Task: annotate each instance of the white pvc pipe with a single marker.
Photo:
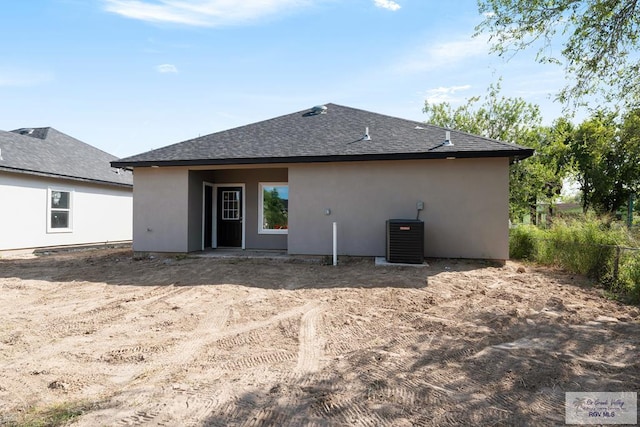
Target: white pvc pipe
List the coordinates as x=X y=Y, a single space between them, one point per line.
x=335 y=243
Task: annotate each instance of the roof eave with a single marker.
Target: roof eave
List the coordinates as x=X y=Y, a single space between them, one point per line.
x=68 y=177
x=511 y=154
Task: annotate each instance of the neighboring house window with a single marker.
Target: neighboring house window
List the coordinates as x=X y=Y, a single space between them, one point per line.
x=273 y=208
x=59 y=210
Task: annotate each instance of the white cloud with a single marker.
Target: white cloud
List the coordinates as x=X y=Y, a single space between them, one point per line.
x=166 y=68
x=387 y=4
x=202 y=13
x=439 y=55
x=444 y=94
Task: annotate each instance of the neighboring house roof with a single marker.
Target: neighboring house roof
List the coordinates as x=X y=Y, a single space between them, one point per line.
x=321 y=135
x=48 y=152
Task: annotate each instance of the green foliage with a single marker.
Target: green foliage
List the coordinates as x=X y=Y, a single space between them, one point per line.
x=275 y=212
x=537 y=179
x=629 y=282
x=599 y=40
x=605 y=152
x=588 y=246
x=523 y=242
x=496 y=117
x=585 y=247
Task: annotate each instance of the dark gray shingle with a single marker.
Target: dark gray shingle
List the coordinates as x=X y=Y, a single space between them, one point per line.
x=336 y=135
x=48 y=152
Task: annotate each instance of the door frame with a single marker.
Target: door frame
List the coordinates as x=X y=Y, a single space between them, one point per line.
x=214 y=207
x=206 y=184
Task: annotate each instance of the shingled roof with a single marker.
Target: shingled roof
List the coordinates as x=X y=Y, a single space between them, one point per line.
x=334 y=133
x=48 y=152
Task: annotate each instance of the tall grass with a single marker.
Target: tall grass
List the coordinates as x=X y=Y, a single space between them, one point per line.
x=629 y=276
x=587 y=246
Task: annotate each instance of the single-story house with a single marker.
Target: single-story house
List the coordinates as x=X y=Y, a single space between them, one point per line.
x=282 y=183
x=59 y=191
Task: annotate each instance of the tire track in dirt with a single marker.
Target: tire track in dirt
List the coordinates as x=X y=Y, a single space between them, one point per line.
x=352 y=412
x=229 y=407
x=323 y=379
x=239 y=340
x=170 y=369
x=50 y=292
x=225 y=412
x=206 y=332
x=311 y=344
x=199 y=403
x=266 y=358
x=259 y=324
x=84 y=323
x=89 y=320
x=348 y=338
x=209 y=333
x=189 y=406
x=132 y=354
x=138 y=418
x=266 y=417
x=155 y=299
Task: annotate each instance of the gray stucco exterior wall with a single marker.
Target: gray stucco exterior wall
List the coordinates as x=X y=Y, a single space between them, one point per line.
x=160 y=209
x=466 y=206
x=465 y=215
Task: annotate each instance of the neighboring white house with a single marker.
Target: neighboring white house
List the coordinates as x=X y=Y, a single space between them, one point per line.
x=58 y=191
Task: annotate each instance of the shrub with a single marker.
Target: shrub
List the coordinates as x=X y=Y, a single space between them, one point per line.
x=629 y=276
x=585 y=247
x=523 y=242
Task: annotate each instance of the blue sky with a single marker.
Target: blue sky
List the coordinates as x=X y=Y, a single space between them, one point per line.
x=128 y=76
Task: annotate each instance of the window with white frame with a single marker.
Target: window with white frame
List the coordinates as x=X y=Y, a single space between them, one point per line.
x=273 y=206
x=59 y=210
x=231 y=205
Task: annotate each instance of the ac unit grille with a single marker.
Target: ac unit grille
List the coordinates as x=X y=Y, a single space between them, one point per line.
x=405 y=241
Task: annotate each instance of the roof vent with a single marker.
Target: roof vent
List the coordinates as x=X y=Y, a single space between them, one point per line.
x=319 y=109
x=366 y=136
x=25 y=131
x=447 y=139
x=1 y=154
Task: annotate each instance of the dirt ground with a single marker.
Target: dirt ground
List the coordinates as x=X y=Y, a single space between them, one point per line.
x=175 y=341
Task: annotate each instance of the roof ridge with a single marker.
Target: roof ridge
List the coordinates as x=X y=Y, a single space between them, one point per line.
x=317 y=133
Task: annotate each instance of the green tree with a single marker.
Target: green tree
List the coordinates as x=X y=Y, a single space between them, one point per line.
x=606 y=152
x=495 y=116
x=275 y=212
x=537 y=179
x=599 y=40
